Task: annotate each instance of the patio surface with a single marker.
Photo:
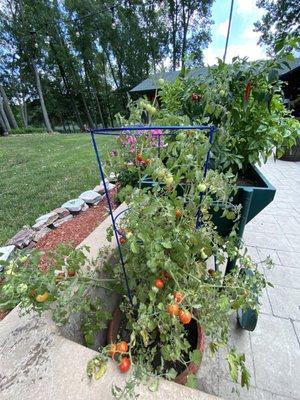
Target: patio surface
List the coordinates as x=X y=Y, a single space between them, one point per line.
x=273 y=349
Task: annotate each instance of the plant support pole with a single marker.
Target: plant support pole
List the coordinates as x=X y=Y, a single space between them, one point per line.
x=228 y=31
x=102 y=176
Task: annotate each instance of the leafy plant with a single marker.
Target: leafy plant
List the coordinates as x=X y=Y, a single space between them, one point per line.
x=65 y=289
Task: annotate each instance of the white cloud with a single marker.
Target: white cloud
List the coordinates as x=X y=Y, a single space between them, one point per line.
x=247 y=8
x=222 y=28
x=249 y=34
x=252 y=51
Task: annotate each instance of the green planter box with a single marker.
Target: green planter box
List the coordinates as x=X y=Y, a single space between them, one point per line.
x=263 y=194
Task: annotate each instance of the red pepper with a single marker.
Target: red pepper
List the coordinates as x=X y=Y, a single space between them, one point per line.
x=247 y=91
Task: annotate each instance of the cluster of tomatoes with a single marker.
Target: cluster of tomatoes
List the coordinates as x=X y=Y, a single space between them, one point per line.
x=174 y=309
x=140 y=160
x=119 y=349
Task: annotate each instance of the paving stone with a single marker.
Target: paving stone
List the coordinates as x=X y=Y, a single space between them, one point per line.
x=74 y=205
x=285 y=302
x=240 y=339
x=229 y=390
x=265 y=303
x=297 y=329
x=61 y=221
x=289 y=258
x=62 y=212
x=22 y=238
x=45 y=220
x=263 y=227
x=265 y=253
x=41 y=233
x=90 y=197
x=276 y=356
x=288 y=225
x=208 y=374
x=294 y=241
x=284 y=276
x=270 y=241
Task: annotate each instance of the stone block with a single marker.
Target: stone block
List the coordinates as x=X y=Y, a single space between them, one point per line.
x=45 y=220
x=41 y=233
x=90 y=197
x=61 y=212
x=22 y=238
x=5 y=253
x=61 y=221
x=74 y=205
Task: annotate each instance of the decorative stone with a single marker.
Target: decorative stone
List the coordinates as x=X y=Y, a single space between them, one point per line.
x=61 y=221
x=100 y=188
x=45 y=220
x=112 y=178
x=41 y=233
x=22 y=238
x=85 y=208
x=74 y=205
x=5 y=253
x=90 y=197
x=62 y=212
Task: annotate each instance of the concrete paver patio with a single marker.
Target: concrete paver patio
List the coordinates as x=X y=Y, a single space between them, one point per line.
x=273 y=349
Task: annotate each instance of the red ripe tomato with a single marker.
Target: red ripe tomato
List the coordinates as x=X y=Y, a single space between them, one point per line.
x=122 y=240
x=71 y=273
x=159 y=283
x=178 y=213
x=173 y=309
x=122 y=347
x=178 y=297
x=185 y=317
x=124 y=364
x=139 y=158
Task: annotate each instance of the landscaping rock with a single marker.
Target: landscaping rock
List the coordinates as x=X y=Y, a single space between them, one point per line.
x=74 y=205
x=90 y=197
x=45 y=220
x=62 y=212
x=100 y=188
x=5 y=253
x=112 y=178
x=22 y=238
x=61 y=221
x=41 y=233
x=85 y=208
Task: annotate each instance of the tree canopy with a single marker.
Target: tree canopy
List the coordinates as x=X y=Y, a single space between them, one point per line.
x=282 y=18
x=75 y=60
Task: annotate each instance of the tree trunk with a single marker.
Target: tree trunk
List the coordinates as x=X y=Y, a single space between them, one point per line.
x=8 y=109
x=3 y=116
x=41 y=97
x=2 y=124
x=24 y=112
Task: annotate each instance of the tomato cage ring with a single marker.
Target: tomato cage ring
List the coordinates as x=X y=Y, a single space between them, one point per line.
x=134 y=131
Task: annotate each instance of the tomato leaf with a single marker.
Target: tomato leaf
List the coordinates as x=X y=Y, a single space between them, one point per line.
x=191 y=381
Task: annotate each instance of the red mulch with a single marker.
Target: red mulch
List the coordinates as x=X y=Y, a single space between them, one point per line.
x=77 y=229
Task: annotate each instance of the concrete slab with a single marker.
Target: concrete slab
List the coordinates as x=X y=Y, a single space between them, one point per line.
x=289 y=258
x=285 y=302
x=276 y=356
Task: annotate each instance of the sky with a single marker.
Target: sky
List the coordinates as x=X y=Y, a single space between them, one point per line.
x=242 y=39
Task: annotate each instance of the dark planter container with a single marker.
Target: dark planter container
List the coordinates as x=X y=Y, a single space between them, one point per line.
x=192 y=368
x=262 y=194
x=258 y=196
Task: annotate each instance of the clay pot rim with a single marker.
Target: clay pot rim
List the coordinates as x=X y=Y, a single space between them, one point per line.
x=192 y=368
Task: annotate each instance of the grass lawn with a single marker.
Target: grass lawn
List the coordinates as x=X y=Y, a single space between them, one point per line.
x=40 y=172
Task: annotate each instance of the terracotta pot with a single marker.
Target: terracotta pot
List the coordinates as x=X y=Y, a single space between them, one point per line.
x=192 y=368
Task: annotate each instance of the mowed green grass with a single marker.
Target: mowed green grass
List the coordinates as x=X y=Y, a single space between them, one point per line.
x=40 y=172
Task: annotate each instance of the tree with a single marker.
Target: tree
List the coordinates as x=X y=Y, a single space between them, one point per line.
x=282 y=18
x=189 y=24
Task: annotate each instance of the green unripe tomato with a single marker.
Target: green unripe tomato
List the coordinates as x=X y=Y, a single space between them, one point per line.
x=161 y=81
x=201 y=187
x=169 y=180
x=203 y=254
x=222 y=92
x=230 y=215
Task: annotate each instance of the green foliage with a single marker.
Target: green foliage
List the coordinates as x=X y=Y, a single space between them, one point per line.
x=67 y=288
x=244 y=102
x=281 y=18
x=162 y=243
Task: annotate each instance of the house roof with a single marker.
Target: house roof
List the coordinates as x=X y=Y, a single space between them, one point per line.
x=151 y=83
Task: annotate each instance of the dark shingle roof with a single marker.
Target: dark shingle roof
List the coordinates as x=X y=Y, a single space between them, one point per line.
x=151 y=83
